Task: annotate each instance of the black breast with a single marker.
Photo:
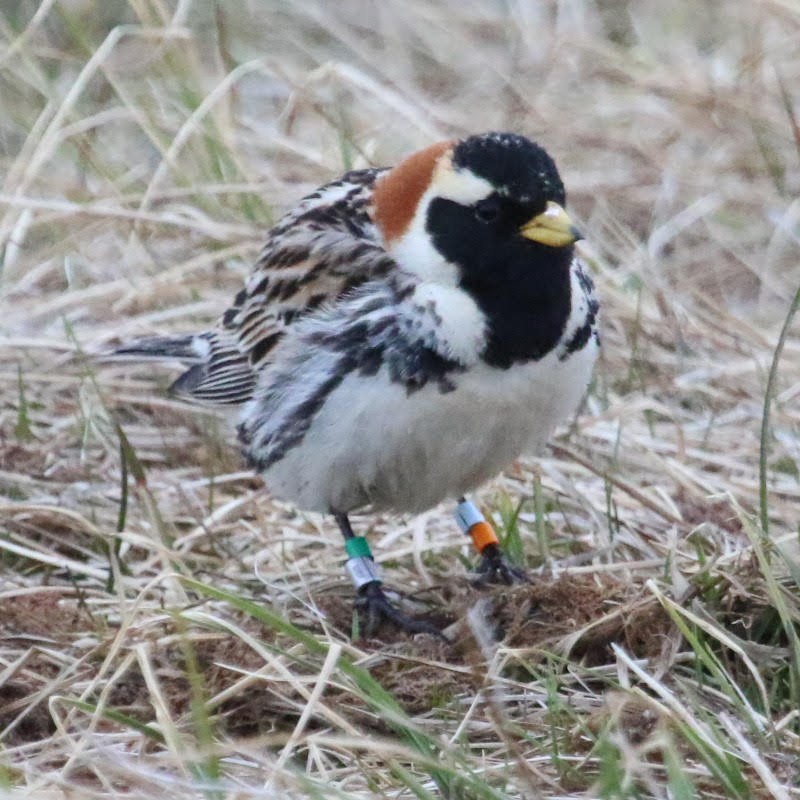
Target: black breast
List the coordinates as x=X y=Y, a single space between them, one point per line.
x=521 y=286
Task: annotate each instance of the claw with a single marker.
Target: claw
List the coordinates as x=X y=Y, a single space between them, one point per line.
x=378 y=608
x=494 y=568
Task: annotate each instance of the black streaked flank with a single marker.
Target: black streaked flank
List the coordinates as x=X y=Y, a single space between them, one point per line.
x=362 y=345
x=580 y=337
x=292 y=432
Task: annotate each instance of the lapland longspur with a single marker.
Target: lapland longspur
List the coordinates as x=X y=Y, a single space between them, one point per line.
x=405 y=335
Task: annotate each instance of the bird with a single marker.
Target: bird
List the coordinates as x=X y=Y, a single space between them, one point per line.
x=406 y=333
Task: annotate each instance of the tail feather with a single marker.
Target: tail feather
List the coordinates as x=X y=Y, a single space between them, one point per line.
x=190 y=349
x=203 y=383
x=219 y=373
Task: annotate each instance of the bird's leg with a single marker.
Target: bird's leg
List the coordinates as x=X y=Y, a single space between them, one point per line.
x=363 y=573
x=493 y=566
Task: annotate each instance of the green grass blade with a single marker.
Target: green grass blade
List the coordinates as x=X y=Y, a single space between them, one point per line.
x=768 y=393
x=453 y=781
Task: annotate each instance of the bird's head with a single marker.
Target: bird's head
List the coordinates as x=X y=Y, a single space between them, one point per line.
x=467 y=212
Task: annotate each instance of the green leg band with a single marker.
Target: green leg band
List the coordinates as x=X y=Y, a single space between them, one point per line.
x=360 y=565
x=357 y=547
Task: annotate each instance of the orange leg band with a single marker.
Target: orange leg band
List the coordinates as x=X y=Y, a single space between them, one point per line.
x=483 y=534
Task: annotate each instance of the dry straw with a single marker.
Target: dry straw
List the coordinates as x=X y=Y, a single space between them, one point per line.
x=167 y=628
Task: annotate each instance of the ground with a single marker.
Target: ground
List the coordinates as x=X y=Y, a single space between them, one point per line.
x=166 y=626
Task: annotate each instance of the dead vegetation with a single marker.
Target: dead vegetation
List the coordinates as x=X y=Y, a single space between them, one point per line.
x=166 y=627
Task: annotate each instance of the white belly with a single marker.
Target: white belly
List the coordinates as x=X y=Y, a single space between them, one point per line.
x=373 y=444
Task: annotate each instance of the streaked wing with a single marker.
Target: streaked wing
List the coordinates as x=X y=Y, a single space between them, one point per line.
x=325 y=247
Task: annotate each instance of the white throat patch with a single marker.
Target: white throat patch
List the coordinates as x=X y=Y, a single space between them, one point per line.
x=451 y=321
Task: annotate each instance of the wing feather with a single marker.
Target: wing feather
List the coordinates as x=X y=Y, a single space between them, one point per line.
x=324 y=248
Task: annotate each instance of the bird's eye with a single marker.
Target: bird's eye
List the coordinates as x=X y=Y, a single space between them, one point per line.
x=487 y=210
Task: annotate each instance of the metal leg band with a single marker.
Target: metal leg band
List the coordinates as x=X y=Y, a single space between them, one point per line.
x=362 y=570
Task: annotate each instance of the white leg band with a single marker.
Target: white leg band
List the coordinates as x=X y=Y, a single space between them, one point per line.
x=362 y=570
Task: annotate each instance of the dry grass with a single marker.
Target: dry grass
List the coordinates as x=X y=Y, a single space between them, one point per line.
x=167 y=628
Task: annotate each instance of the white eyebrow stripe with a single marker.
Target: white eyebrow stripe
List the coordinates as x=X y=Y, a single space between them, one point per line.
x=460 y=185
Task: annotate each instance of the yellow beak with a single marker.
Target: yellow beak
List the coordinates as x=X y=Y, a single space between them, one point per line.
x=552 y=227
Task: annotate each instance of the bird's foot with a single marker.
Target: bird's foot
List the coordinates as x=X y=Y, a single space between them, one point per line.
x=377 y=607
x=494 y=568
